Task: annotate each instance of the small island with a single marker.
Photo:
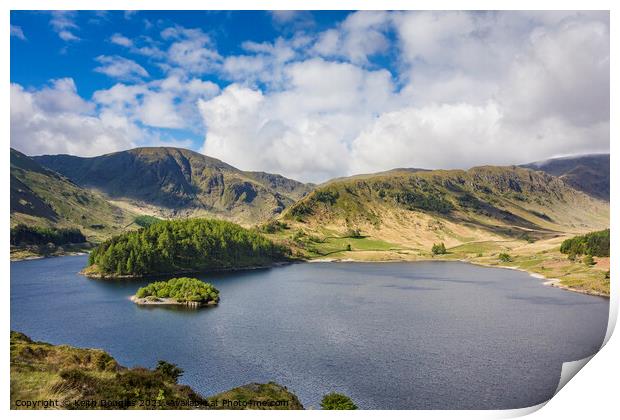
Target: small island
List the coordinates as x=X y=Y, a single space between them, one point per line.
x=183 y=291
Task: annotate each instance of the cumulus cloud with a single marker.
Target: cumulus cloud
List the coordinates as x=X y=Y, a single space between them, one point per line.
x=359 y=36
x=376 y=91
x=120 y=68
x=302 y=130
x=264 y=62
x=192 y=50
x=56 y=120
x=472 y=88
x=162 y=103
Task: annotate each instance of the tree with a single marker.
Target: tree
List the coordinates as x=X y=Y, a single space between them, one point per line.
x=169 y=370
x=439 y=249
x=503 y=257
x=336 y=401
x=588 y=260
x=348 y=247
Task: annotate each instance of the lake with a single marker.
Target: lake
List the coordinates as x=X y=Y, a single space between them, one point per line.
x=421 y=335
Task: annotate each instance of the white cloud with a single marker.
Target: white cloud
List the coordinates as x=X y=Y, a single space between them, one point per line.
x=359 y=36
x=192 y=50
x=158 y=110
x=63 y=23
x=463 y=88
x=303 y=130
x=120 y=68
x=54 y=121
x=163 y=103
x=144 y=46
x=17 y=31
x=264 y=63
x=121 y=40
x=474 y=88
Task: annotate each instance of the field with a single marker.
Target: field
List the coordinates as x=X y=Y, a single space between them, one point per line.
x=540 y=257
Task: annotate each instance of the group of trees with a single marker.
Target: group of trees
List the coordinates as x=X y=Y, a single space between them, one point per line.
x=34 y=235
x=439 y=249
x=177 y=246
x=594 y=244
x=183 y=289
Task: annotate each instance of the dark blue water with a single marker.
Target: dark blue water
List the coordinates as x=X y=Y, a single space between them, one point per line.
x=427 y=335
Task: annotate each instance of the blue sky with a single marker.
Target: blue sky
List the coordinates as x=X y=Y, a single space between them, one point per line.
x=313 y=95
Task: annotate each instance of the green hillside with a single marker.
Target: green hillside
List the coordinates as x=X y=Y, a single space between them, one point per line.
x=177 y=182
x=74 y=378
x=44 y=198
x=505 y=201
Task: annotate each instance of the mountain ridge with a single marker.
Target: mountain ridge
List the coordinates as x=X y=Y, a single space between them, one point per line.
x=422 y=207
x=181 y=183
x=589 y=173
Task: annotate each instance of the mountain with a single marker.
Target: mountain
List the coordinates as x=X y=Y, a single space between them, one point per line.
x=42 y=197
x=587 y=173
x=174 y=182
x=418 y=208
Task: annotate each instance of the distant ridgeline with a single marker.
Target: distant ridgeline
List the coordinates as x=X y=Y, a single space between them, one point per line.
x=34 y=235
x=593 y=243
x=183 y=246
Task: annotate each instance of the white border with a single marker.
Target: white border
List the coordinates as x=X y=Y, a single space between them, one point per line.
x=593 y=395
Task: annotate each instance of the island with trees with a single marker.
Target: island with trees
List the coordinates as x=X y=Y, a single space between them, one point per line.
x=181 y=247
x=178 y=291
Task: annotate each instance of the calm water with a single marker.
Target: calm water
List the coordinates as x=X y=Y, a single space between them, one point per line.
x=400 y=335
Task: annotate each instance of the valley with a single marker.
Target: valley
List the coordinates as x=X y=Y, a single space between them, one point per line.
x=396 y=215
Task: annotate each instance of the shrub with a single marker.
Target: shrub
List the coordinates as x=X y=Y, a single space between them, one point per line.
x=439 y=249
x=272 y=227
x=335 y=401
x=169 y=370
x=503 y=257
x=588 y=260
x=430 y=201
x=146 y=221
x=353 y=233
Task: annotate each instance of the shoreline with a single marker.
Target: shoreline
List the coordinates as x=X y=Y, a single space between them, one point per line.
x=40 y=257
x=169 y=302
x=99 y=276
x=551 y=282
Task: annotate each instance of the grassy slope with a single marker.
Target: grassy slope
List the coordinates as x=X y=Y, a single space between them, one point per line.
x=41 y=371
x=42 y=197
x=514 y=210
x=173 y=182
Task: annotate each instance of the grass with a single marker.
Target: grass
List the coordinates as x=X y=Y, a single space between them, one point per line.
x=41 y=371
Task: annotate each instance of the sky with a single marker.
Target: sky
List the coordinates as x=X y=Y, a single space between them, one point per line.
x=313 y=95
